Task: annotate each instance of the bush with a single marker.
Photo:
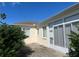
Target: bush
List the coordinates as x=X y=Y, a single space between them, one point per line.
x=10 y=40
x=74 y=44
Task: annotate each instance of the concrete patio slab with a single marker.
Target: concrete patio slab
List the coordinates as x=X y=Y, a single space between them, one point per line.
x=41 y=51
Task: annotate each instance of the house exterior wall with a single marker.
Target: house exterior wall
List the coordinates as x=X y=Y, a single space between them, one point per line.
x=67 y=22
x=57 y=32
x=64 y=25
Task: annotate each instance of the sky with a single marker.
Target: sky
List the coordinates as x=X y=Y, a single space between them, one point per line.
x=31 y=11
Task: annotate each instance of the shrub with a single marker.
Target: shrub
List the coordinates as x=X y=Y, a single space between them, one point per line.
x=10 y=40
x=74 y=44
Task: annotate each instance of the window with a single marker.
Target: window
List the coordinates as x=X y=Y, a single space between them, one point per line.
x=44 y=32
x=59 y=36
x=56 y=42
x=68 y=28
x=67 y=32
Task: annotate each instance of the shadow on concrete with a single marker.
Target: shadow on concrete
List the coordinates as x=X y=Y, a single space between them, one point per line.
x=25 y=52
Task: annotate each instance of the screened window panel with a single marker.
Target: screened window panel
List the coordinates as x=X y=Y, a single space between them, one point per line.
x=67 y=32
x=61 y=36
x=56 y=41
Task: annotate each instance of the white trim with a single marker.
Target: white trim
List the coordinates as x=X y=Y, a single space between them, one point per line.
x=64 y=35
x=57 y=25
x=53 y=35
x=48 y=37
x=61 y=49
x=71 y=21
x=42 y=32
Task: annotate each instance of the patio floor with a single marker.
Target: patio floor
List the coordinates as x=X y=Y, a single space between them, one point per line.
x=41 y=51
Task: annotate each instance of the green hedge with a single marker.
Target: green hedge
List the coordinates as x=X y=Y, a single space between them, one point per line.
x=10 y=40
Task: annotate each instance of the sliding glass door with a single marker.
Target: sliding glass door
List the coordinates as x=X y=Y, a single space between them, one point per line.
x=59 y=36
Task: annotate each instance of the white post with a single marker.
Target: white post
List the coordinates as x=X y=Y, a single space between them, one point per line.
x=21 y=28
x=64 y=35
x=48 y=37
x=53 y=34
x=41 y=32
